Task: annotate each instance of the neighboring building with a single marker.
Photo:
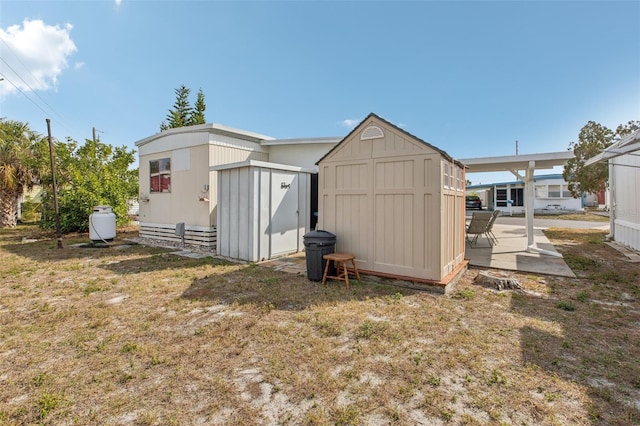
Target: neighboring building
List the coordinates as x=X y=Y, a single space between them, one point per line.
x=178 y=185
x=624 y=187
x=396 y=202
x=29 y=205
x=551 y=193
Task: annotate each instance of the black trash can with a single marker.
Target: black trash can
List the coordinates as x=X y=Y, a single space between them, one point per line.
x=317 y=244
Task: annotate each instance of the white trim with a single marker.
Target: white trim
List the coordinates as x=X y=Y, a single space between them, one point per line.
x=173 y=226
x=625 y=145
x=302 y=141
x=627 y=224
x=209 y=128
x=263 y=164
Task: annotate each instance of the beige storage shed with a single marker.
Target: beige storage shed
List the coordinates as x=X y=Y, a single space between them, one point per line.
x=396 y=202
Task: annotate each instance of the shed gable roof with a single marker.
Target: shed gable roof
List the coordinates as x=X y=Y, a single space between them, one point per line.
x=370 y=130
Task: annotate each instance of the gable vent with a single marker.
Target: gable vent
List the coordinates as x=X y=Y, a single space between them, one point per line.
x=372 y=132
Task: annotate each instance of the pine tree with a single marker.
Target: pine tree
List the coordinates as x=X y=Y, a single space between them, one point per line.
x=197 y=117
x=182 y=114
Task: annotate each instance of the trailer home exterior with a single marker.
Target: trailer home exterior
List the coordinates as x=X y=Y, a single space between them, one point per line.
x=179 y=171
x=624 y=186
x=176 y=185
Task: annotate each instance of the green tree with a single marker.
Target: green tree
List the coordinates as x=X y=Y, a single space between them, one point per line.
x=90 y=175
x=592 y=139
x=18 y=170
x=182 y=113
x=198 y=114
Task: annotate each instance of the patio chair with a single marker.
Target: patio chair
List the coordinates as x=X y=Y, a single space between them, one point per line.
x=489 y=234
x=481 y=224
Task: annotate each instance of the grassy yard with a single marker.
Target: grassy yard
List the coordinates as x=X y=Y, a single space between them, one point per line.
x=136 y=335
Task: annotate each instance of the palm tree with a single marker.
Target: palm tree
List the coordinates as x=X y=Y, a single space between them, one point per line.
x=16 y=171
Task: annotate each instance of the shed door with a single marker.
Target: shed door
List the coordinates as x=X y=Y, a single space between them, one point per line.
x=283 y=227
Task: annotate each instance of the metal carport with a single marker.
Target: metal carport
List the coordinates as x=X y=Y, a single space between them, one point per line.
x=515 y=164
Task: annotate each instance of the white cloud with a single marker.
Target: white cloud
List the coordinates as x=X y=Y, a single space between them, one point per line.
x=349 y=123
x=34 y=55
x=118 y=3
x=78 y=65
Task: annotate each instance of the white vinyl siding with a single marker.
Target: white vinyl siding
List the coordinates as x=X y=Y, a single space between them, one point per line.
x=625 y=190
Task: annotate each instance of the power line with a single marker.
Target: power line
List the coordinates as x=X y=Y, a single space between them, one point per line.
x=5 y=78
x=21 y=63
x=25 y=95
x=31 y=89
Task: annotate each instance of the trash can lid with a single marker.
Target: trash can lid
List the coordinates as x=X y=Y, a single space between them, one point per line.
x=320 y=235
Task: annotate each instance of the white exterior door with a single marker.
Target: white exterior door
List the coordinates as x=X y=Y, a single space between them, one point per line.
x=284 y=210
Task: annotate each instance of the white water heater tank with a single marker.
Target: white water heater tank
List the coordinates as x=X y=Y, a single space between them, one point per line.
x=102 y=224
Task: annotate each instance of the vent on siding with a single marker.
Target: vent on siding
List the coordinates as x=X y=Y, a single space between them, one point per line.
x=372 y=132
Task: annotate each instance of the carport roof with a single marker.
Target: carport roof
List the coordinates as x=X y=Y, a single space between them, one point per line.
x=625 y=145
x=546 y=160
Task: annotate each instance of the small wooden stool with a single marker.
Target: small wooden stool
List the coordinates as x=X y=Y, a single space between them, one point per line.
x=340 y=258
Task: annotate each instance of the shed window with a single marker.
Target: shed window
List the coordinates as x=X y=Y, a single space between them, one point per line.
x=160 y=175
x=448 y=180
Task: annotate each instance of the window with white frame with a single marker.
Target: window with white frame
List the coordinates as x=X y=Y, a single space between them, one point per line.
x=553 y=191
x=446 y=175
x=160 y=175
x=541 y=191
x=459 y=179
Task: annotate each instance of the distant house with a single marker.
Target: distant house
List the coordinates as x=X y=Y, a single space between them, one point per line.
x=624 y=189
x=179 y=180
x=551 y=194
x=30 y=204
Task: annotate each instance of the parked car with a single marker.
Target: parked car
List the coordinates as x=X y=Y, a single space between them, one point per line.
x=473 y=202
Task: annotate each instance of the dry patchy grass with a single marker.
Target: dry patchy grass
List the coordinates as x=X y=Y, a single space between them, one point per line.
x=141 y=336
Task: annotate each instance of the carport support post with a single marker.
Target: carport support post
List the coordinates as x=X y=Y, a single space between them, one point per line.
x=529 y=212
x=528 y=206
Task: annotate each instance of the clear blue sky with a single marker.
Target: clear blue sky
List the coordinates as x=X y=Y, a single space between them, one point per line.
x=468 y=77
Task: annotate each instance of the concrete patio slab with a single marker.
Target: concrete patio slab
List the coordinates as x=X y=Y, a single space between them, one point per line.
x=511 y=253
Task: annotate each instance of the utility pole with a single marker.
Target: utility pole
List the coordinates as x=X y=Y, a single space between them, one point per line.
x=516 y=146
x=55 y=187
x=95 y=138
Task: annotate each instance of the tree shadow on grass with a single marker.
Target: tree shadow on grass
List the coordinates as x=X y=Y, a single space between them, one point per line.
x=120 y=256
x=598 y=346
x=261 y=286
x=228 y=283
